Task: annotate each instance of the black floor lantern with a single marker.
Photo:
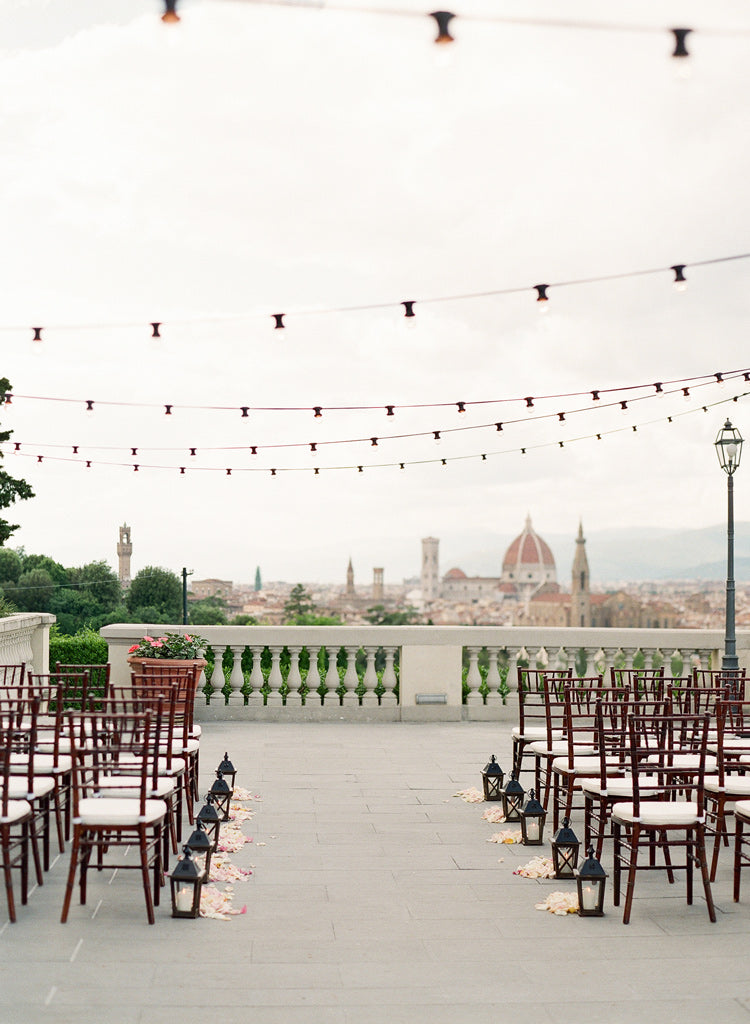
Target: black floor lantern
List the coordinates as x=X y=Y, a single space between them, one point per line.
x=228 y=770
x=201 y=847
x=210 y=820
x=513 y=795
x=533 y=817
x=565 y=847
x=492 y=780
x=222 y=795
x=591 y=879
x=186 y=882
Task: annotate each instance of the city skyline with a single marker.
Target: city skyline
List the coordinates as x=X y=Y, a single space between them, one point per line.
x=146 y=182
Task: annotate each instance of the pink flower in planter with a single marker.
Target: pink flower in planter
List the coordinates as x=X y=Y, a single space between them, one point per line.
x=133 y=648
x=148 y=638
x=156 y=643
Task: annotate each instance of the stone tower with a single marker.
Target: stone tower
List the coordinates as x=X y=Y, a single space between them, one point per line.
x=378 y=590
x=580 y=603
x=350 y=580
x=124 y=551
x=430 y=570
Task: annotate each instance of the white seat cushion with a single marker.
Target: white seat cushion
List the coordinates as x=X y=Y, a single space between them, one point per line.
x=560 y=747
x=127 y=787
x=534 y=732
x=660 y=812
x=584 y=765
x=17 y=811
x=734 y=785
x=113 y=811
x=44 y=764
x=616 y=787
x=192 y=747
x=742 y=810
x=687 y=761
x=18 y=787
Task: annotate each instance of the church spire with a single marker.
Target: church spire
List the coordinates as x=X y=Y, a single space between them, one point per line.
x=580 y=605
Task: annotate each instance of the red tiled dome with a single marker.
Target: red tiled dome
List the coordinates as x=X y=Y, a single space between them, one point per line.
x=455 y=574
x=528 y=549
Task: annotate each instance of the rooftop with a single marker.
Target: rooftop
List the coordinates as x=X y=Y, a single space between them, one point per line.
x=376 y=897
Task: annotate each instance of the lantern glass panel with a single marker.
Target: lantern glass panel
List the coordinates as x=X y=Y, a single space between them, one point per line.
x=533 y=817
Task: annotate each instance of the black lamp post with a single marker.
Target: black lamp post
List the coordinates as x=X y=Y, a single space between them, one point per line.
x=492 y=780
x=728 y=446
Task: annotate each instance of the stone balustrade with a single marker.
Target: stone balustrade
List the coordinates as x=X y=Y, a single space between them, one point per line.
x=406 y=673
x=24 y=639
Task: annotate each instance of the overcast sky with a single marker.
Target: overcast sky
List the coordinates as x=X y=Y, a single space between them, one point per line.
x=265 y=158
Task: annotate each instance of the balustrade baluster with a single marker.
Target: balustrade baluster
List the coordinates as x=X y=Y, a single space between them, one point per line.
x=218 y=682
x=370 y=681
x=388 y=698
x=236 y=679
x=630 y=654
x=275 y=679
x=312 y=681
x=294 y=679
x=351 y=680
x=332 y=677
x=512 y=679
x=256 y=675
x=493 y=677
x=474 y=678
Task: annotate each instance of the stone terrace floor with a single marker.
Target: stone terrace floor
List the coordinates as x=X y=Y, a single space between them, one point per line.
x=376 y=898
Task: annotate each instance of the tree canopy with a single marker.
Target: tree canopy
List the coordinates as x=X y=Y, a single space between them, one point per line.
x=155 y=591
x=11 y=488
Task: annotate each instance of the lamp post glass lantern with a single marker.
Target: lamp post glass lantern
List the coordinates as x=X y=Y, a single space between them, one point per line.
x=565 y=847
x=513 y=795
x=185 y=884
x=492 y=780
x=532 y=822
x=728 y=446
x=590 y=879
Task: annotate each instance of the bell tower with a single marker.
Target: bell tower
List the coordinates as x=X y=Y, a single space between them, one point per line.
x=124 y=551
x=580 y=603
x=430 y=570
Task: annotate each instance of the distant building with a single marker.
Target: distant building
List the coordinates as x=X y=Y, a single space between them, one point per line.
x=350 y=580
x=201 y=589
x=378 y=587
x=124 y=551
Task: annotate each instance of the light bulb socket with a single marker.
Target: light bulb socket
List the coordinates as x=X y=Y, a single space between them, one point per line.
x=680 y=41
x=443 y=20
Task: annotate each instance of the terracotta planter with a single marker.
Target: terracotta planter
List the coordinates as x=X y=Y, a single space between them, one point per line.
x=197 y=663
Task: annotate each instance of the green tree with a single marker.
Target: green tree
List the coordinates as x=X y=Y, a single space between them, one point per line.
x=11 y=489
x=11 y=566
x=155 y=590
x=33 y=592
x=244 y=620
x=298 y=604
x=210 y=611
x=378 y=616
x=58 y=573
x=258 y=584
x=95 y=592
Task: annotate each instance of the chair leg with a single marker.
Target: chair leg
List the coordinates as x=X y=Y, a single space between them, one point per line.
x=721 y=831
x=71 y=874
x=617 y=864
x=737 y=860
x=145 y=874
x=635 y=838
x=5 y=841
x=701 y=844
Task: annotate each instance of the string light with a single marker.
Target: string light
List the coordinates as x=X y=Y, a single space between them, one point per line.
x=167 y=410
x=595 y=396
x=374 y=442
x=245 y=409
x=133 y=451
x=313 y=448
x=436 y=436
x=182 y=470
x=318 y=411
x=443 y=20
x=541 y=297
x=529 y=404
x=624 y=406
x=659 y=389
x=402 y=465
x=279 y=324
x=389 y=410
x=680 y=41
x=680 y=281
x=155 y=325
x=193 y=451
x=75 y=449
x=89 y=405
x=561 y=417
x=719 y=379
x=461 y=406
x=498 y=426
x=170 y=12
x=409 y=314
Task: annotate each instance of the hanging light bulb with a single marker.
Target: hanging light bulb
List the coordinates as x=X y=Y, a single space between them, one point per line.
x=278 y=319
x=409 y=315
x=89 y=405
x=461 y=406
x=436 y=436
x=624 y=407
x=443 y=20
x=680 y=281
x=542 y=299
x=313 y=448
x=720 y=379
x=529 y=405
x=155 y=325
x=170 y=15
x=318 y=411
x=686 y=394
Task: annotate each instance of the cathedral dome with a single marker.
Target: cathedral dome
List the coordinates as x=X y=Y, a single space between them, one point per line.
x=528 y=560
x=455 y=574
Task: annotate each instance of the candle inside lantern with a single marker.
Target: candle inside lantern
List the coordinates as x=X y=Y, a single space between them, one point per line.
x=589 y=895
x=184 y=900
